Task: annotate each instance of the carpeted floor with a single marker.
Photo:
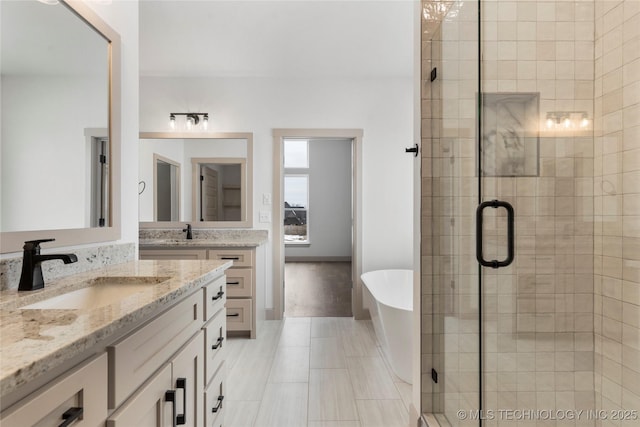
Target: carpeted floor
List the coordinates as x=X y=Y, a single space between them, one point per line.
x=317 y=289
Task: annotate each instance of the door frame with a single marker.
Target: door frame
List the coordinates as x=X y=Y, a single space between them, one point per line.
x=278 y=212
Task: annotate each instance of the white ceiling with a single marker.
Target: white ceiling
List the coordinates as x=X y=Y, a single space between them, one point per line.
x=291 y=38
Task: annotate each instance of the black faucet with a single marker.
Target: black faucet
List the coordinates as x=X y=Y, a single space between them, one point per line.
x=31 y=277
x=188 y=230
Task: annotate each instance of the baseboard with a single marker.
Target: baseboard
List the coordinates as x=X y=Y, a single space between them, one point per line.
x=317 y=259
x=270 y=314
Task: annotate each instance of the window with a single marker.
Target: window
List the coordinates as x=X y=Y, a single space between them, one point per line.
x=296 y=207
x=296 y=153
x=296 y=191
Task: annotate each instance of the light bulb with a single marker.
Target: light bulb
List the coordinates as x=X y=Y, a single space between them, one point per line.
x=567 y=123
x=189 y=123
x=172 y=121
x=584 y=122
x=205 y=122
x=550 y=122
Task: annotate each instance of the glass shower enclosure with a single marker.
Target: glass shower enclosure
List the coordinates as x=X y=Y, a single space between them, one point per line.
x=509 y=222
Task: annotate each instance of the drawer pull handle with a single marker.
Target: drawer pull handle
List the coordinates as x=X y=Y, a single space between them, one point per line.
x=232 y=283
x=217 y=296
x=219 y=405
x=182 y=418
x=71 y=415
x=233 y=315
x=218 y=343
x=234 y=258
x=170 y=396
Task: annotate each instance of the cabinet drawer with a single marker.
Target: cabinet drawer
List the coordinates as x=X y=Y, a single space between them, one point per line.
x=214 y=399
x=214 y=297
x=240 y=257
x=133 y=359
x=239 y=312
x=215 y=335
x=239 y=282
x=85 y=387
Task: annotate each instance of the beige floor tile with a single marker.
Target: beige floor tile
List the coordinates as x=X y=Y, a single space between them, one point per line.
x=382 y=413
x=284 y=405
x=331 y=395
x=248 y=378
x=359 y=343
x=290 y=365
x=370 y=378
x=327 y=353
x=240 y=413
x=323 y=327
x=296 y=332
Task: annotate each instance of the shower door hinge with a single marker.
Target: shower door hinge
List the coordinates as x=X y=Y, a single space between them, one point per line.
x=434 y=73
x=434 y=375
x=103 y=159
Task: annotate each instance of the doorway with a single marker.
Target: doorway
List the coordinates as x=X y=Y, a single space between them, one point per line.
x=308 y=262
x=318 y=181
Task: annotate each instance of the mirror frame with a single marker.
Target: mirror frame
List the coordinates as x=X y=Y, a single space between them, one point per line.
x=13 y=241
x=248 y=221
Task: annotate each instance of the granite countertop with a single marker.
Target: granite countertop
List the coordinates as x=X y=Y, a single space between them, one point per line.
x=200 y=243
x=202 y=238
x=32 y=341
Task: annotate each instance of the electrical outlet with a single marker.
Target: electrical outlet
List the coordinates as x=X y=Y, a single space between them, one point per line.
x=265 y=216
x=266 y=198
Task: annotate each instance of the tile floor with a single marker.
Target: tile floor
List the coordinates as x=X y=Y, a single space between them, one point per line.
x=313 y=372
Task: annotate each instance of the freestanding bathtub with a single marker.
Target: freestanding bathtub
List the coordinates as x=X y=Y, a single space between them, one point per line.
x=392 y=316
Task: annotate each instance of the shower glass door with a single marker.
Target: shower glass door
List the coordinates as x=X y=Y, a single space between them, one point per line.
x=536 y=154
x=510 y=118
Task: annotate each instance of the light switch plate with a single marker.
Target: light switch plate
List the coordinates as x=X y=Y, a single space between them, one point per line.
x=265 y=216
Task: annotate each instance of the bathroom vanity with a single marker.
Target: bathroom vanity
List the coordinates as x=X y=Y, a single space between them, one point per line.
x=140 y=343
x=243 y=280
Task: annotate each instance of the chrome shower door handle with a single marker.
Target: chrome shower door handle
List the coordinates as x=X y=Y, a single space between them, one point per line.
x=510 y=234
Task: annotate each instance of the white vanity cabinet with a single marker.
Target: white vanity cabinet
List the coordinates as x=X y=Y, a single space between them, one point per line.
x=240 y=280
x=83 y=389
x=160 y=371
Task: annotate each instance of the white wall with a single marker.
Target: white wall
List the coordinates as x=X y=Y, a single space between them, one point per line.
x=330 y=180
x=382 y=107
x=43 y=136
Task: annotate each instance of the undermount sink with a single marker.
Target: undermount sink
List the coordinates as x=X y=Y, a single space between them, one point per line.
x=100 y=292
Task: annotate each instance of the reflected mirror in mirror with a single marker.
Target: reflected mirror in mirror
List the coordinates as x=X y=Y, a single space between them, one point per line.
x=218 y=185
x=55 y=116
x=210 y=185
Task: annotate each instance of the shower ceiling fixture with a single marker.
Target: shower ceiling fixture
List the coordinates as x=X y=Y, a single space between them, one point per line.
x=192 y=120
x=567 y=120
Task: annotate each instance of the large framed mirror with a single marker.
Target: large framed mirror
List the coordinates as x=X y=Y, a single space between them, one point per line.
x=60 y=90
x=212 y=188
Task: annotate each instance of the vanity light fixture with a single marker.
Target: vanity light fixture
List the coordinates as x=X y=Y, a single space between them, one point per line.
x=567 y=120
x=192 y=121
